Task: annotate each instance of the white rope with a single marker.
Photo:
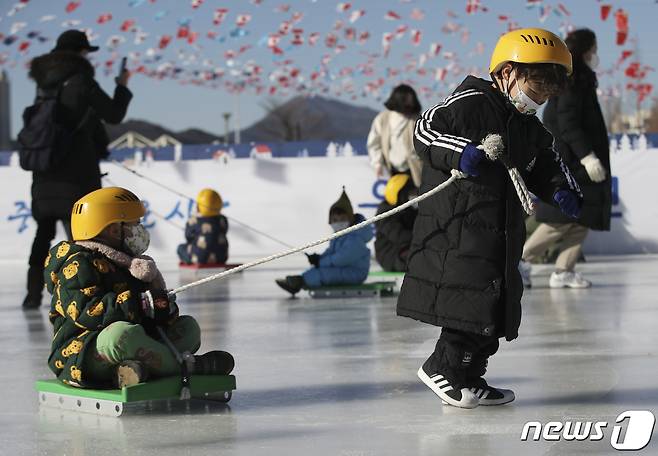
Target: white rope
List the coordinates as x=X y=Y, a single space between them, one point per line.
x=522 y=191
x=454 y=176
x=493 y=145
x=183 y=195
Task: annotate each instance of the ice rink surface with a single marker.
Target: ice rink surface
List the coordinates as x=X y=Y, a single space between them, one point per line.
x=338 y=377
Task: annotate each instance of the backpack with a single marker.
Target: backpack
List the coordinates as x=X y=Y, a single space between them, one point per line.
x=44 y=140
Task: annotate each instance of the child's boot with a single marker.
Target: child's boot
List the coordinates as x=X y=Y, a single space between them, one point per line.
x=214 y=362
x=292 y=284
x=130 y=373
x=444 y=373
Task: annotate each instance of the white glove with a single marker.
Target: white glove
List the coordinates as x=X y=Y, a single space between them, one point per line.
x=594 y=168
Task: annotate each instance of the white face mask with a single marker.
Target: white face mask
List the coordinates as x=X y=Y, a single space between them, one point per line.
x=593 y=62
x=136 y=239
x=522 y=102
x=338 y=226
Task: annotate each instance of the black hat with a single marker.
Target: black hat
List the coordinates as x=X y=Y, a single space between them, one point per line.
x=75 y=41
x=344 y=205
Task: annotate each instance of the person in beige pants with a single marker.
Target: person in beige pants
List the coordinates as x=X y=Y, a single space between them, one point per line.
x=571 y=237
x=575 y=120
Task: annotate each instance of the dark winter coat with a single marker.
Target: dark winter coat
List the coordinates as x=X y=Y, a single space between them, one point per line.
x=85 y=105
x=576 y=121
x=206 y=240
x=345 y=262
x=467 y=240
x=393 y=238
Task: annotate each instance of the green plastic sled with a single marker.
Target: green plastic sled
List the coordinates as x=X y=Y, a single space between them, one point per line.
x=111 y=402
x=352 y=291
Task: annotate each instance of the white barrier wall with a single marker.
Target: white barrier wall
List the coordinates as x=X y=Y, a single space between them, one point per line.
x=289 y=198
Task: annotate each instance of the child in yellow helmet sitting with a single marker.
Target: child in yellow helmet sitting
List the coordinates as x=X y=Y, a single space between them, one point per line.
x=108 y=300
x=393 y=234
x=205 y=232
x=463 y=262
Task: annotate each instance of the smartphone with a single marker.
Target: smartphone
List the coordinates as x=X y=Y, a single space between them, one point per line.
x=123 y=65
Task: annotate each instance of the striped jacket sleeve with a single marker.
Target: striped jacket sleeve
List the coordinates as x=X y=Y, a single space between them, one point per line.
x=435 y=140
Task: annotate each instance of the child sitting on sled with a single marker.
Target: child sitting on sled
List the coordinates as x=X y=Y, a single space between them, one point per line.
x=205 y=232
x=108 y=300
x=345 y=262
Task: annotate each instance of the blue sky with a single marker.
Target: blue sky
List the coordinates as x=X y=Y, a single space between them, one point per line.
x=179 y=106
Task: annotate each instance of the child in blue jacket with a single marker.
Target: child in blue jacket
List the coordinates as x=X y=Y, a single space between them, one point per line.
x=205 y=232
x=345 y=262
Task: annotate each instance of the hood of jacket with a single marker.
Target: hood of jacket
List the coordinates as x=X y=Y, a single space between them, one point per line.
x=366 y=233
x=49 y=70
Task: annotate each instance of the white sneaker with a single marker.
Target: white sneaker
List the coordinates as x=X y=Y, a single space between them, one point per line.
x=567 y=279
x=525 y=268
x=461 y=397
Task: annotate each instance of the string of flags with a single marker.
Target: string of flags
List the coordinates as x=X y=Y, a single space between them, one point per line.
x=221 y=47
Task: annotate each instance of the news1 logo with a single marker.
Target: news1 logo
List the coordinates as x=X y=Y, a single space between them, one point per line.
x=632 y=431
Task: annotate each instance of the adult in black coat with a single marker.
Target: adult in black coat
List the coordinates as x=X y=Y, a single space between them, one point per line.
x=83 y=106
x=393 y=234
x=581 y=137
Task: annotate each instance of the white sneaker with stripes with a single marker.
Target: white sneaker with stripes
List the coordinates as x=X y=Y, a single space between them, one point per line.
x=463 y=397
x=488 y=395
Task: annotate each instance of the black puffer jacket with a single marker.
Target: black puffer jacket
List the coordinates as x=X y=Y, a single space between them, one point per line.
x=576 y=121
x=467 y=240
x=85 y=105
x=393 y=238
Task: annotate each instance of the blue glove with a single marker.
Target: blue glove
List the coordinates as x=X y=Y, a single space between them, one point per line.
x=470 y=160
x=569 y=202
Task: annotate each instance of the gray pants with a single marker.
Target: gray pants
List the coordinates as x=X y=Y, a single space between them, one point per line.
x=571 y=237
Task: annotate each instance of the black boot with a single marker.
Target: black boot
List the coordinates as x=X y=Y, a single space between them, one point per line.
x=34 y=288
x=214 y=362
x=292 y=284
x=31 y=302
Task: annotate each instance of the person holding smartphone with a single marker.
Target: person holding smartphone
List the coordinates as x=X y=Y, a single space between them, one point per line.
x=83 y=107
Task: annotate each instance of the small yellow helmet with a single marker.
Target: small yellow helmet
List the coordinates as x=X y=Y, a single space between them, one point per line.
x=96 y=210
x=530 y=45
x=393 y=187
x=209 y=203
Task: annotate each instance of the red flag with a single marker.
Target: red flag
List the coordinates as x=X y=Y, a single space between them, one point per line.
x=605 y=11
x=624 y=55
x=392 y=16
x=218 y=15
x=416 y=36
x=621 y=24
x=164 y=41
x=72 y=6
x=242 y=20
x=127 y=25
x=342 y=7
x=104 y=18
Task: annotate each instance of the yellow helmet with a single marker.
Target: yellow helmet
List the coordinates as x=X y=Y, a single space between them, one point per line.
x=393 y=187
x=209 y=203
x=530 y=45
x=96 y=210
